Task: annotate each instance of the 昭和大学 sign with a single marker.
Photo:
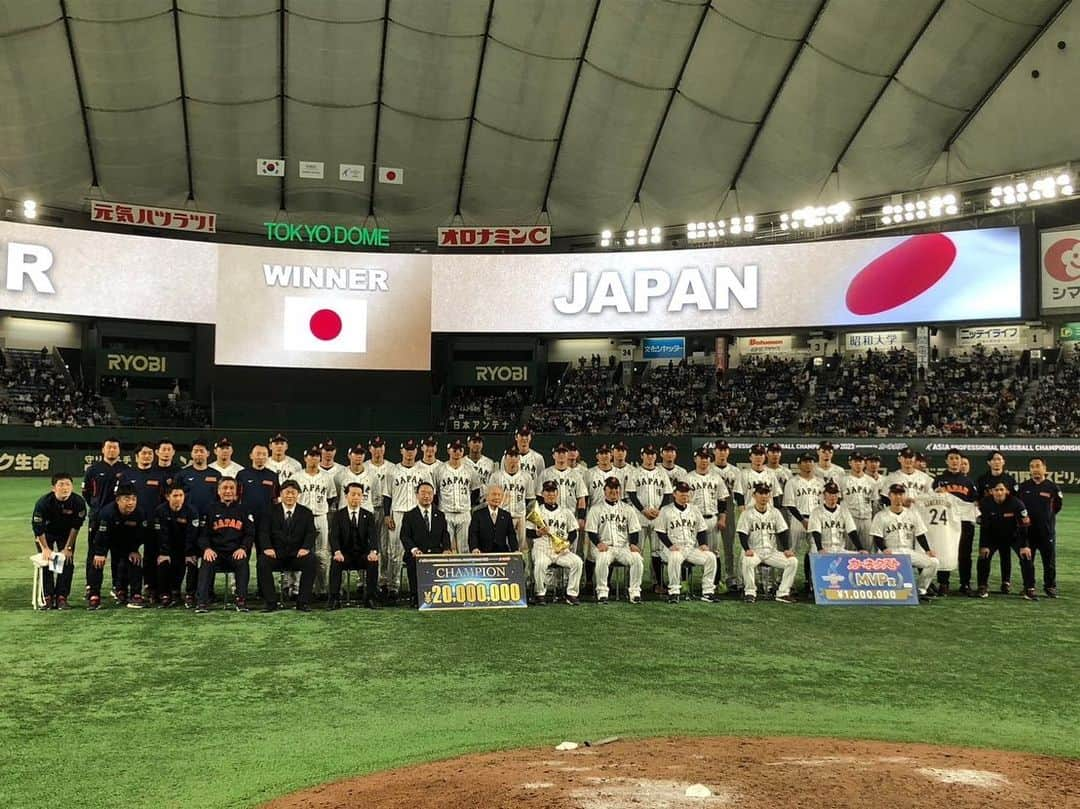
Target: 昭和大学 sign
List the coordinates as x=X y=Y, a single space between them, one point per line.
x=327 y=234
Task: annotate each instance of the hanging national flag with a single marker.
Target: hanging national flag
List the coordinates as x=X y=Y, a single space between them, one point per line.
x=325 y=324
x=270 y=167
x=391 y=175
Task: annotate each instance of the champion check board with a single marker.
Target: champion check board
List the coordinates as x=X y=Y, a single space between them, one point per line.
x=471 y=581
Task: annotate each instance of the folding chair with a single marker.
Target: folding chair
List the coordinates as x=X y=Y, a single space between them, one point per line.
x=619 y=584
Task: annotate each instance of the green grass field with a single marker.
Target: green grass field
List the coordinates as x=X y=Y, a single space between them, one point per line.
x=170 y=709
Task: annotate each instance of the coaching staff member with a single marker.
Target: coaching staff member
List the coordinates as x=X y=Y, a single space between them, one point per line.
x=423 y=530
x=224 y=544
x=492 y=529
x=57 y=518
x=1003 y=527
x=1042 y=497
x=354 y=545
x=287 y=543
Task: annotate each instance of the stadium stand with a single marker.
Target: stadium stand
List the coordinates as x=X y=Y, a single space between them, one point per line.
x=1053 y=403
x=862 y=395
x=38 y=390
x=667 y=400
x=761 y=396
x=578 y=402
x=969 y=395
x=484 y=409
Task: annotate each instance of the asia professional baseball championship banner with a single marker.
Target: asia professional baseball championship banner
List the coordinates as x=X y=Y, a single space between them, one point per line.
x=852 y=579
x=1059 y=269
x=470 y=581
x=930 y=277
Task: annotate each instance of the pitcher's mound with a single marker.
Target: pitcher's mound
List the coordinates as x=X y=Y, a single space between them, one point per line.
x=766 y=773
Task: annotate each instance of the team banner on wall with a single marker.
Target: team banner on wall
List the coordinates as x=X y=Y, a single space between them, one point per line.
x=987 y=336
x=1060 y=269
x=930 y=277
x=663 y=348
x=470 y=581
x=123 y=213
x=856 y=579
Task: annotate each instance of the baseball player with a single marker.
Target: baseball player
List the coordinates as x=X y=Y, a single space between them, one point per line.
x=649 y=489
x=900 y=530
x=56 y=521
x=530 y=461
x=318 y=492
x=279 y=461
x=165 y=455
x=801 y=496
x=223 y=462
x=121 y=532
x=199 y=480
x=519 y=491
x=773 y=453
x=358 y=472
x=668 y=455
x=873 y=470
x=576 y=461
x=481 y=464
x=328 y=458
x=613 y=529
x=683 y=538
x=429 y=456
x=710 y=494
x=603 y=470
x=915 y=481
x=955 y=483
x=860 y=494
x=922 y=462
x=985 y=483
x=573 y=493
x=831 y=526
x=764 y=537
x=1003 y=528
x=825 y=468
x=382 y=471
x=399 y=497
x=176 y=524
x=747 y=479
x=1043 y=500
x=150 y=484
x=563 y=522
x=458 y=491
x=728 y=473
x=620 y=467
x=98 y=489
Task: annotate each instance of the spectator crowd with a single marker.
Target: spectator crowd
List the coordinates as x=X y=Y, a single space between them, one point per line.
x=667 y=401
x=862 y=395
x=969 y=395
x=1054 y=411
x=580 y=402
x=761 y=396
x=37 y=392
x=484 y=409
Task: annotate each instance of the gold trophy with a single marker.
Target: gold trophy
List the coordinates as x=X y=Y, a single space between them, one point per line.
x=536 y=518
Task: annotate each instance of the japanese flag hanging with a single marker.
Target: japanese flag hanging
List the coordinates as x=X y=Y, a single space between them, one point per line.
x=394 y=176
x=325 y=324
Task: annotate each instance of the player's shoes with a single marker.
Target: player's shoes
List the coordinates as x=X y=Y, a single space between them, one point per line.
x=1051 y=592
x=601 y=599
x=299 y=608
x=926 y=598
x=572 y=601
x=202 y=609
x=672 y=599
x=62 y=603
x=712 y=598
x=538 y=601
x=635 y=600
x=93 y=603
x=965 y=590
x=750 y=598
x=136 y=602
x=984 y=592
x=1006 y=588
x=1029 y=594
x=943 y=590
x=659 y=590
x=788 y=599
x=334 y=603
x=189 y=602
x=392 y=596
x=240 y=605
x=165 y=601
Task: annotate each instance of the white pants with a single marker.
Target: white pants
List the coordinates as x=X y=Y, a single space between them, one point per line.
x=624 y=556
x=862 y=528
x=715 y=539
x=730 y=544
x=925 y=564
x=543 y=558
x=648 y=534
x=772 y=558
x=322 y=553
x=800 y=537
x=457 y=522
x=676 y=555
x=394 y=553
x=382 y=535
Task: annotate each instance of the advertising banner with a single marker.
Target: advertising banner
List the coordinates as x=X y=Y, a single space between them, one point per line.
x=930 y=277
x=496 y=372
x=778 y=344
x=878 y=340
x=470 y=582
x=506 y=236
x=122 y=213
x=1059 y=269
x=663 y=348
x=988 y=336
x=144 y=363
x=856 y=579
x=1069 y=333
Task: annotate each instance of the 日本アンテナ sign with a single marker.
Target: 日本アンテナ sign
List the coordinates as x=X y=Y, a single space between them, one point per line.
x=327 y=234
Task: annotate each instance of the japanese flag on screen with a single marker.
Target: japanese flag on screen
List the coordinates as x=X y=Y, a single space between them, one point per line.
x=325 y=324
x=394 y=176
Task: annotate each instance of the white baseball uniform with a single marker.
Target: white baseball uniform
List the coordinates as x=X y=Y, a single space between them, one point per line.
x=675 y=473
x=682 y=525
x=804 y=494
x=613 y=523
x=860 y=496
x=483 y=467
x=760 y=530
x=284 y=468
x=898 y=532
x=561 y=521
x=748 y=478
x=345 y=476
x=229 y=470
x=571 y=486
x=650 y=487
x=942 y=514
x=729 y=473
x=380 y=475
x=597 y=476
x=834 y=525
x=532 y=464
x=454 y=487
x=706 y=492
x=916 y=484
x=833 y=472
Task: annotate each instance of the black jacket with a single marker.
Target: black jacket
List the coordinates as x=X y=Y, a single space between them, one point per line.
x=1003 y=523
x=492 y=537
x=414 y=534
x=357 y=542
x=118 y=533
x=177 y=529
x=287 y=542
x=227 y=528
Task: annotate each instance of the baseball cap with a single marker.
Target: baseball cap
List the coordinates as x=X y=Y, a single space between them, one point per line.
x=703 y=453
x=774 y=447
x=359 y=449
x=762 y=488
x=409 y=444
x=550 y=486
x=826 y=445
x=669 y=447
x=476 y=438
x=721 y=444
x=290 y=484
x=125 y=489
x=429 y=441
x=856 y=456
x=807 y=456
x=512 y=451
x=278 y=438
x=221 y=443
x=570 y=445
x=560 y=447
x=921 y=457
x=832 y=488
x=612 y=483
x=377 y=441
x=682 y=486
x=313 y=452
x=874 y=457
x=906 y=452
x=897 y=488
x=648 y=449
x=622 y=445
x=524 y=429
x=603 y=449
x=757 y=449
x=328 y=445
x=457 y=443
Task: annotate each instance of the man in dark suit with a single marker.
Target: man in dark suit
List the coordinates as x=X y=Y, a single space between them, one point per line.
x=288 y=543
x=423 y=530
x=492 y=529
x=354 y=545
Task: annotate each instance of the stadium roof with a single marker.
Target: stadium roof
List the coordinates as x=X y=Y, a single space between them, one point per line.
x=501 y=110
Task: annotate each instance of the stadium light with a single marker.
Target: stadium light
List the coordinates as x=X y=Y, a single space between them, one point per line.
x=605 y=238
x=813 y=216
x=920 y=209
x=1033 y=189
x=29 y=207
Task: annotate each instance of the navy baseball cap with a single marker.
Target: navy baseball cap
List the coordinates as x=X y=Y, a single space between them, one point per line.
x=682 y=486
x=807 y=456
x=561 y=447
x=906 y=452
x=703 y=453
x=429 y=441
x=278 y=438
x=622 y=445
x=648 y=449
x=774 y=447
x=874 y=457
x=826 y=445
x=313 y=452
x=721 y=444
x=832 y=488
x=512 y=451
x=221 y=443
x=456 y=444
x=359 y=449
x=125 y=490
x=897 y=488
x=524 y=429
x=669 y=447
x=409 y=444
x=328 y=445
x=550 y=486
x=476 y=438
x=757 y=449
x=762 y=488
x=856 y=456
x=603 y=449
x=377 y=441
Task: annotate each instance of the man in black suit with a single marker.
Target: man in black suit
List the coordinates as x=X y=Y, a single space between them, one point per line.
x=354 y=545
x=288 y=543
x=492 y=529
x=423 y=530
